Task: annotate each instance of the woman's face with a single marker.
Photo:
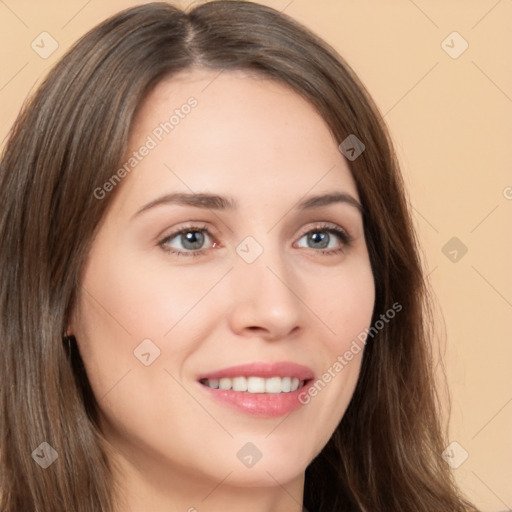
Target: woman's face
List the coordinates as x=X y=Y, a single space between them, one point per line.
x=225 y=246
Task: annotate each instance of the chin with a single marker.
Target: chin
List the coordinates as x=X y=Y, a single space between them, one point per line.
x=272 y=474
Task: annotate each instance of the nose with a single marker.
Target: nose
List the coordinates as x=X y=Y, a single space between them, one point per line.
x=264 y=303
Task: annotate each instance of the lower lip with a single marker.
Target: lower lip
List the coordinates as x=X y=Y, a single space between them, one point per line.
x=264 y=405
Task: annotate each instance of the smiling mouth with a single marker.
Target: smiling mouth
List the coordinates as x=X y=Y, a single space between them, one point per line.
x=273 y=385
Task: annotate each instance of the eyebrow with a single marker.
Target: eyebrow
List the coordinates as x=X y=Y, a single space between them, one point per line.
x=199 y=200
x=327 y=199
x=217 y=202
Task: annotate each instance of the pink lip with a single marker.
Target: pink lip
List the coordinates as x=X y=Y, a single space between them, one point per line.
x=261 y=369
x=265 y=405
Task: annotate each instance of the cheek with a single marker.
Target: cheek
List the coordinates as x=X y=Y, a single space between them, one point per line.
x=349 y=313
x=344 y=302
x=124 y=303
x=131 y=298
x=345 y=305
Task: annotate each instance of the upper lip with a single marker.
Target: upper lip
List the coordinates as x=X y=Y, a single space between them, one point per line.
x=262 y=369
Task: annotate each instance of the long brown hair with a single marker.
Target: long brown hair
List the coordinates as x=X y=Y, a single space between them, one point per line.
x=385 y=455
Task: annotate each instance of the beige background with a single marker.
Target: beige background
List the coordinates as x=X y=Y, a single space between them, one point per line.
x=451 y=119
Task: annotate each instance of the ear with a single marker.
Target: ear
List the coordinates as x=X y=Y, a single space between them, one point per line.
x=69 y=330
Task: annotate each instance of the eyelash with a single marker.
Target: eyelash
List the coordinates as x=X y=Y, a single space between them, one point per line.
x=343 y=235
x=186 y=229
x=346 y=239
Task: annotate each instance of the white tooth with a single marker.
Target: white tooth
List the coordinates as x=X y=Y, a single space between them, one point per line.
x=213 y=383
x=273 y=385
x=256 y=385
x=239 y=384
x=225 y=383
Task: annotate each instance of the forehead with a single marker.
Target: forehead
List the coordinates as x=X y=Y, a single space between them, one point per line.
x=246 y=135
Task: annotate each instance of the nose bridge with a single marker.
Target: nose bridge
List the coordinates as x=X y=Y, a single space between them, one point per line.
x=264 y=298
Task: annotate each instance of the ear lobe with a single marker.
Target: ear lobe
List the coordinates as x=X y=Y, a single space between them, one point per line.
x=70 y=328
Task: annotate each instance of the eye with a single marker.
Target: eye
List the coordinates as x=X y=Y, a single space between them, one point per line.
x=188 y=241
x=327 y=239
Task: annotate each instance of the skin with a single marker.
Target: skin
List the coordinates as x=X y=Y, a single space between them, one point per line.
x=262 y=145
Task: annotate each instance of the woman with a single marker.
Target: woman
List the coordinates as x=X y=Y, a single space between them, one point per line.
x=211 y=292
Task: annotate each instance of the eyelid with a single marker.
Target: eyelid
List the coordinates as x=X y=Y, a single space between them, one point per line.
x=201 y=227
x=346 y=239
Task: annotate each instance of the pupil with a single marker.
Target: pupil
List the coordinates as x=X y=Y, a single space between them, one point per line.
x=319 y=240
x=193 y=240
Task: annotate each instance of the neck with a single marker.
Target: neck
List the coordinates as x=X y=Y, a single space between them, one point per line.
x=163 y=487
